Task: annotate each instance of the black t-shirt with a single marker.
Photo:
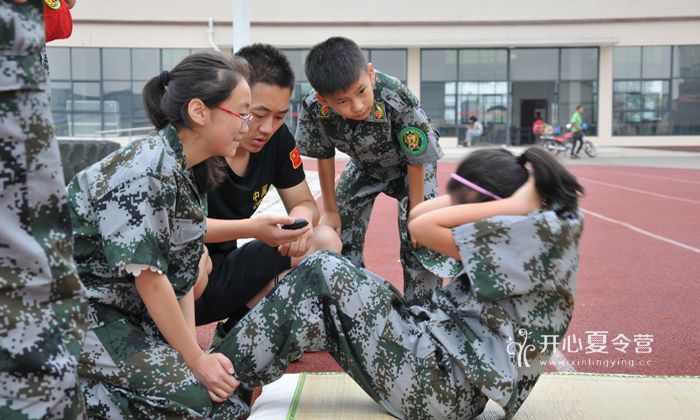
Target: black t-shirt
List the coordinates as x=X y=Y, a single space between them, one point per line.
x=278 y=163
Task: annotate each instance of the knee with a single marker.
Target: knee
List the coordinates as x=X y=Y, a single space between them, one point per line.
x=326 y=238
x=326 y=269
x=195 y=397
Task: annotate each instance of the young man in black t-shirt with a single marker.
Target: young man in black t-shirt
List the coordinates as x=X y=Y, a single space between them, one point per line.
x=266 y=158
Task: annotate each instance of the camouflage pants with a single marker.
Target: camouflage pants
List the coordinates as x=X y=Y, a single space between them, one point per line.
x=355 y=194
x=42 y=309
x=329 y=304
x=128 y=370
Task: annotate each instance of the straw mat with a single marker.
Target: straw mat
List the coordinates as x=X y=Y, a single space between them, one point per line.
x=556 y=396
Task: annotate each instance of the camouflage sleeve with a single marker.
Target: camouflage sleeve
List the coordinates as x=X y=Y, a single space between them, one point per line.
x=413 y=129
x=135 y=224
x=21 y=40
x=507 y=256
x=310 y=136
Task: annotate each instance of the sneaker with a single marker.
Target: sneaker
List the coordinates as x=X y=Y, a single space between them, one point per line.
x=295 y=357
x=574 y=156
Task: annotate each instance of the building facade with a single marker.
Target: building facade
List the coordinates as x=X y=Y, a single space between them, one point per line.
x=635 y=67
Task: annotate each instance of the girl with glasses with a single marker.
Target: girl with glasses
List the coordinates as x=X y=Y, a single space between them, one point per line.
x=139 y=222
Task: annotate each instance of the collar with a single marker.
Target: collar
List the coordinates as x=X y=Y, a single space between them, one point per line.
x=169 y=133
x=378 y=113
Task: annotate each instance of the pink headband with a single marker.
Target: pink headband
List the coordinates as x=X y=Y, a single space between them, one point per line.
x=474 y=187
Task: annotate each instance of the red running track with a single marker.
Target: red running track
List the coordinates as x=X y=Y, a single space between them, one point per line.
x=637 y=296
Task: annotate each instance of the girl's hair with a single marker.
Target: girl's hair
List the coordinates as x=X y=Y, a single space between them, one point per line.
x=208 y=76
x=501 y=173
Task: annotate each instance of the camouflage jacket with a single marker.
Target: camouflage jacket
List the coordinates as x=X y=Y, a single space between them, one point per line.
x=139 y=205
x=396 y=133
x=21 y=39
x=500 y=318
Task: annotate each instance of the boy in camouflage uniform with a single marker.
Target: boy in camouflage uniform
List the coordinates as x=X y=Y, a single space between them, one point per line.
x=488 y=334
x=393 y=148
x=42 y=308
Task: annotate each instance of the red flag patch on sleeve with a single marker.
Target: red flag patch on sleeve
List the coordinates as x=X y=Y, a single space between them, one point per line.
x=295 y=157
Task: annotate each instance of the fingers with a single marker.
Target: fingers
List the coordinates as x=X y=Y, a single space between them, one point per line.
x=214 y=397
x=284 y=249
x=296 y=248
x=225 y=384
x=274 y=219
x=229 y=380
x=224 y=362
x=215 y=372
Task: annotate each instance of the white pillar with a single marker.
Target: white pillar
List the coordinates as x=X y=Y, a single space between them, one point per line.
x=413 y=70
x=605 y=93
x=241 y=24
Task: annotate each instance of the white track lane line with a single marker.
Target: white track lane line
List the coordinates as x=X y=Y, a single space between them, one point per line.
x=643 y=232
x=652 y=176
x=620 y=187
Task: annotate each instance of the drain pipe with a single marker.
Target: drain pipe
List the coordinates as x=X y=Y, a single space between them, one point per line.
x=210 y=34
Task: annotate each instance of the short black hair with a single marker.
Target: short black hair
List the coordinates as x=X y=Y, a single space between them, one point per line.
x=334 y=65
x=472 y=118
x=268 y=65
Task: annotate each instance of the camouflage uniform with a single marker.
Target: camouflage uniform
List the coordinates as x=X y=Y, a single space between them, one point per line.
x=396 y=133
x=42 y=308
x=138 y=207
x=443 y=360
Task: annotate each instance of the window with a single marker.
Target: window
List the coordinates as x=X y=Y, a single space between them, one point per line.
x=439 y=88
x=656 y=90
x=579 y=64
x=391 y=62
x=534 y=64
x=506 y=88
x=301 y=87
x=85 y=64
x=60 y=63
x=171 y=57
x=117 y=63
x=685 y=95
x=627 y=63
x=98 y=89
x=145 y=63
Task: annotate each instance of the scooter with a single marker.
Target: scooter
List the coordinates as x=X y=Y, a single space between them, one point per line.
x=556 y=144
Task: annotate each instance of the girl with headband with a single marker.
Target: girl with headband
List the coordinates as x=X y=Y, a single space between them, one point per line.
x=512 y=227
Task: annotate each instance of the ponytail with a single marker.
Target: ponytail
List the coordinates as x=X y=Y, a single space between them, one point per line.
x=558 y=188
x=153 y=93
